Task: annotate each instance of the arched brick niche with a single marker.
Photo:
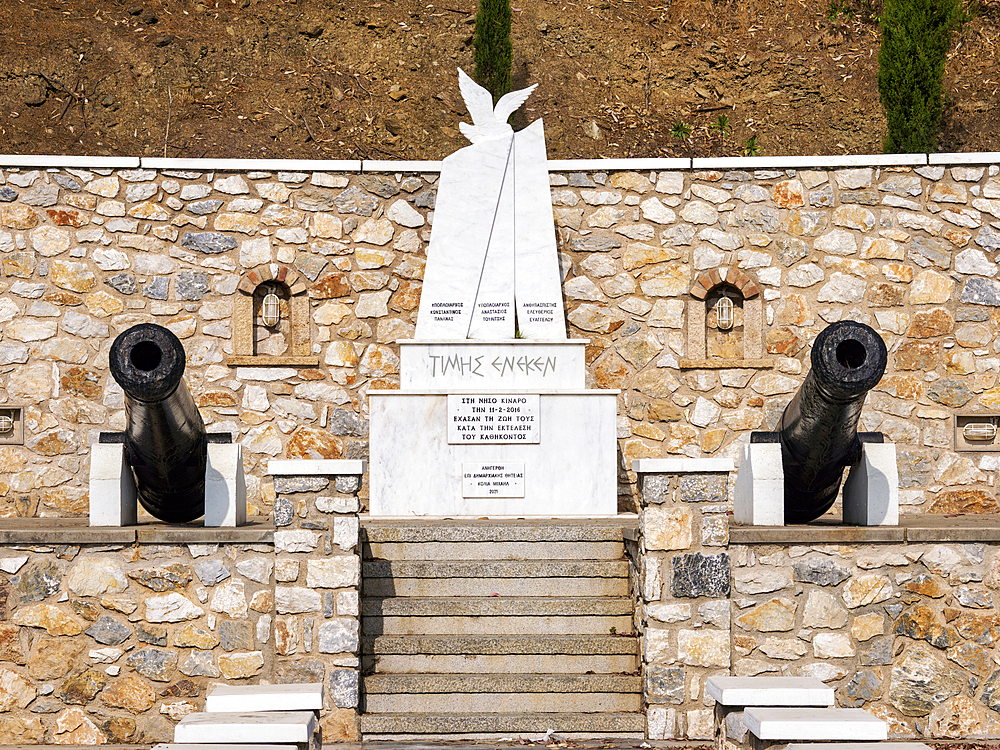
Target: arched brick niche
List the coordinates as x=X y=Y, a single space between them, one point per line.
x=286 y=343
x=714 y=345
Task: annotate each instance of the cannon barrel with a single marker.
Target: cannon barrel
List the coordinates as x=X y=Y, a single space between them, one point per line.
x=819 y=428
x=164 y=437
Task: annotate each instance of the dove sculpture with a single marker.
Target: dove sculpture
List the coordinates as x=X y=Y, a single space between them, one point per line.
x=488 y=121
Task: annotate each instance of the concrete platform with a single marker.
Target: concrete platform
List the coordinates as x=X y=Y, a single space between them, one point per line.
x=770 y=691
x=818 y=724
x=241 y=698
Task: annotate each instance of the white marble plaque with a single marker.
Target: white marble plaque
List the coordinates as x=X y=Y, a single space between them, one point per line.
x=493 y=418
x=537 y=288
x=493 y=480
x=496 y=365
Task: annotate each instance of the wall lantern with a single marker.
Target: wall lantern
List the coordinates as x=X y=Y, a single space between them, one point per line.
x=724 y=312
x=270 y=310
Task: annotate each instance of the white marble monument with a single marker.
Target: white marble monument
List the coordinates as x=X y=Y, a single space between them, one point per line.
x=493 y=417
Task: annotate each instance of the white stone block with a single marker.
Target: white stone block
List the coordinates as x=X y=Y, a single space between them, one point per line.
x=299 y=697
x=871 y=492
x=462 y=366
x=759 y=498
x=804 y=724
x=769 y=691
x=257 y=727
x=112 y=487
x=681 y=465
x=225 y=486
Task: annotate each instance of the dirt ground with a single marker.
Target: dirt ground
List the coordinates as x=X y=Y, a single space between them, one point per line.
x=356 y=79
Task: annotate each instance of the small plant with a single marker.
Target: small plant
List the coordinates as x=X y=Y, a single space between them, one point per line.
x=493 y=48
x=722 y=126
x=916 y=35
x=751 y=147
x=681 y=131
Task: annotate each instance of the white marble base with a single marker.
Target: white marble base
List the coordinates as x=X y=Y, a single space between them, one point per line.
x=681 y=465
x=225 y=486
x=462 y=366
x=803 y=724
x=759 y=496
x=112 y=488
x=414 y=471
x=295 y=697
x=769 y=691
x=871 y=492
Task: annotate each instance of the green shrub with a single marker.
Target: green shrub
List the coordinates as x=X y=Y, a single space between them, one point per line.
x=915 y=39
x=493 y=48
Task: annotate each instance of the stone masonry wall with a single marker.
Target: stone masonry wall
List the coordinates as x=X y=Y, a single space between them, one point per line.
x=685 y=578
x=908 y=632
x=87 y=253
x=115 y=643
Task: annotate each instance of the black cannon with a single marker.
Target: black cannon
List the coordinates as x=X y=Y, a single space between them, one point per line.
x=818 y=431
x=165 y=441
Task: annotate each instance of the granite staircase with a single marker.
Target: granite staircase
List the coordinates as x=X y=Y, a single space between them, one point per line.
x=498 y=628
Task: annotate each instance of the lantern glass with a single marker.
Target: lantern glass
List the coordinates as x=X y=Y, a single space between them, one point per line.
x=724 y=311
x=270 y=309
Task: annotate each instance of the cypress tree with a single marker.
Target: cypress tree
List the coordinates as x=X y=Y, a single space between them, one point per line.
x=915 y=39
x=493 y=48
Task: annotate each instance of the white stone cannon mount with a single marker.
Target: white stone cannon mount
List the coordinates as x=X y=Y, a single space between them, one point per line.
x=870 y=493
x=113 y=498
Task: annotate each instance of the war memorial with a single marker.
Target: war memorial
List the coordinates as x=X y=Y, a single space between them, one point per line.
x=499 y=446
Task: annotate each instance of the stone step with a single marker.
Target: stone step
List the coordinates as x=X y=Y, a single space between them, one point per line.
x=857 y=746
x=517 y=550
x=816 y=724
x=259 y=727
x=502 y=683
x=437 y=569
x=499 y=644
x=502 y=703
x=384 y=588
x=500 y=663
x=496 y=530
x=192 y=746
x=496 y=606
x=494 y=726
x=769 y=691
x=496 y=625
x=299 y=697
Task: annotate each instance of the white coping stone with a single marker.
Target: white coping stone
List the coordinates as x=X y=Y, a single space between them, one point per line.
x=759 y=495
x=799 y=162
x=609 y=165
x=264 y=165
x=266 y=727
x=61 y=160
x=193 y=746
x=112 y=488
x=805 y=724
x=415 y=471
x=235 y=698
x=976 y=157
x=304 y=467
x=857 y=746
x=516 y=364
x=680 y=465
x=376 y=165
x=225 y=486
x=770 y=691
x=871 y=492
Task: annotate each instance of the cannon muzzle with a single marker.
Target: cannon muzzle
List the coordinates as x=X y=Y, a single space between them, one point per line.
x=164 y=437
x=819 y=428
